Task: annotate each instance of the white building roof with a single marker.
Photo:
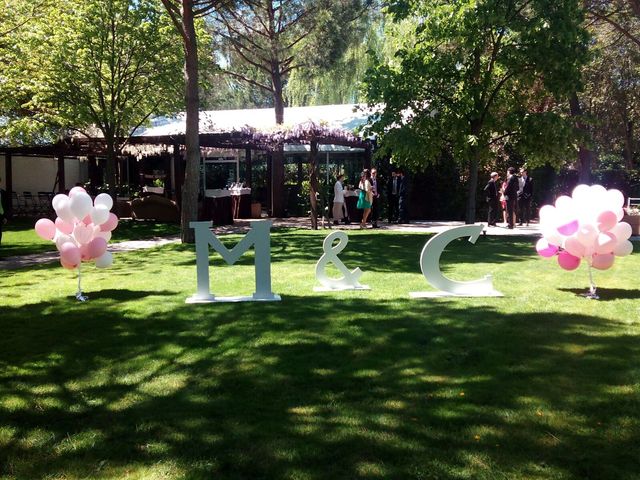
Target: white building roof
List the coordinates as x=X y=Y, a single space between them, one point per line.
x=346 y=117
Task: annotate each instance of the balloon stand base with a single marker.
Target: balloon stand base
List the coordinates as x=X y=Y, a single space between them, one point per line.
x=591 y=294
x=81 y=297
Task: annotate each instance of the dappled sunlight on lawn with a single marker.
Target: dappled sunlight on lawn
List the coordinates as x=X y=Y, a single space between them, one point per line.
x=137 y=384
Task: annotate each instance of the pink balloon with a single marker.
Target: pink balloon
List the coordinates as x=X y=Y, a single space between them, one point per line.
x=70 y=254
x=87 y=220
x=602 y=261
x=82 y=233
x=605 y=243
x=110 y=224
x=45 y=229
x=97 y=247
x=63 y=226
x=607 y=220
x=84 y=253
x=545 y=249
x=569 y=229
x=586 y=235
x=105 y=235
x=66 y=264
x=76 y=190
x=568 y=261
x=574 y=247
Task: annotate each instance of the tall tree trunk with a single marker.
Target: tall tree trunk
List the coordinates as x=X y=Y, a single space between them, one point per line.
x=313 y=183
x=278 y=97
x=586 y=156
x=191 y=185
x=470 y=216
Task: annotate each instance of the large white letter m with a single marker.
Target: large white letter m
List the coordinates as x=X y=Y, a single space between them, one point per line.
x=258 y=237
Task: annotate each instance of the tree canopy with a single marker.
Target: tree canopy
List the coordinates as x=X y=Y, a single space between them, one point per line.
x=266 y=40
x=474 y=74
x=92 y=65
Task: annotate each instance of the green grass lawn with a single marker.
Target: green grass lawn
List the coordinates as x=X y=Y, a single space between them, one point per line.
x=135 y=384
x=19 y=236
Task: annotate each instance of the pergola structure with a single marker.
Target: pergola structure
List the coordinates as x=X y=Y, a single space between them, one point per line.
x=250 y=139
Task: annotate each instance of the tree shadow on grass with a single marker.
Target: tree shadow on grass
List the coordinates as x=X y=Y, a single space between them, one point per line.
x=315 y=387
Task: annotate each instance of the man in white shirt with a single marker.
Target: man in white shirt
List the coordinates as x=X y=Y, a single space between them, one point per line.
x=338 y=200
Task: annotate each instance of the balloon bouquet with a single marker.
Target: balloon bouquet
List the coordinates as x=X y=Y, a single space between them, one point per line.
x=585 y=226
x=81 y=231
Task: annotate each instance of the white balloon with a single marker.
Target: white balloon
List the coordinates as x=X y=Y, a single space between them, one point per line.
x=105 y=260
x=597 y=190
x=99 y=214
x=587 y=234
x=105 y=200
x=81 y=205
x=55 y=201
x=65 y=214
x=552 y=236
x=580 y=193
x=605 y=243
x=62 y=238
x=622 y=231
x=564 y=203
x=548 y=217
x=623 y=248
x=615 y=199
x=619 y=213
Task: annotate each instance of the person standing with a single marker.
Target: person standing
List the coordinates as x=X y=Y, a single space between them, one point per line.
x=365 y=197
x=525 y=194
x=511 y=196
x=392 y=194
x=403 y=198
x=3 y=210
x=375 y=204
x=492 y=193
x=338 y=201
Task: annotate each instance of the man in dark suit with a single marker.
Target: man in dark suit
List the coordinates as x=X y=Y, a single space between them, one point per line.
x=393 y=187
x=511 y=196
x=375 y=205
x=492 y=192
x=403 y=198
x=524 y=196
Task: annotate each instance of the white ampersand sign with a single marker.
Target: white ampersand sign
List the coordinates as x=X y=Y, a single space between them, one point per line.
x=349 y=280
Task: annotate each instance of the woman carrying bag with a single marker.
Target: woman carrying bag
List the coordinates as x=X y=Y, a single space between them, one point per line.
x=365 y=198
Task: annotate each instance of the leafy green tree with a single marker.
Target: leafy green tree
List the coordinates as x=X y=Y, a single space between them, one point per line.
x=269 y=39
x=612 y=94
x=606 y=111
x=474 y=74
x=87 y=65
x=341 y=82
